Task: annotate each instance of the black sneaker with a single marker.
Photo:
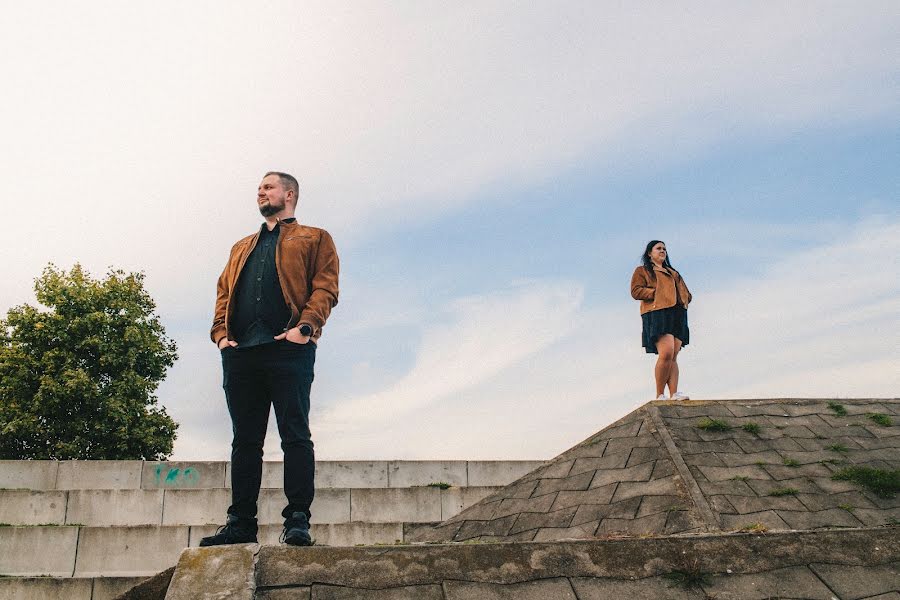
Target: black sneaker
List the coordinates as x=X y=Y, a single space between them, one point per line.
x=296 y=530
x=237 y=530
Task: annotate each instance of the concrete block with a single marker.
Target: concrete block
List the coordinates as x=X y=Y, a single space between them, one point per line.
x=99 y=475
x=499 y=472
x=44 y=588
x=115 y=508
x=110 y=588
x=27 y=507
x=128 y=551
x=329 y=506
x=412 y=505
x=860 y=581
x=38 y=551
x=272 y=475
x=196 y=507
x=792 y=582
x=456 y=499
x=409 y=473
x=183 y=475
x=351 y=474
x=354 y=534
x=28 y=474
x=221 y=572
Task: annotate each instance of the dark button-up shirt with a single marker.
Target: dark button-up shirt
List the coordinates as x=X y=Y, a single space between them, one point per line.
x=260 y=312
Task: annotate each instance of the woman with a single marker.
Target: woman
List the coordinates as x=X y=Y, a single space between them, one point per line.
x=664 y=300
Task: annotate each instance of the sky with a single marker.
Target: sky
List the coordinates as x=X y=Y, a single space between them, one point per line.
x=490 y=172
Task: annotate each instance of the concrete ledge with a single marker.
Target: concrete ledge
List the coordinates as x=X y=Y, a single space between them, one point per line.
x=38 y=551
x=735 y=565
x=128 y=551
x=340 y=534
x=26 y=507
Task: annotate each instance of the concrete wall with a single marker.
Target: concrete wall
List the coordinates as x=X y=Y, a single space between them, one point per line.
x=134 y=475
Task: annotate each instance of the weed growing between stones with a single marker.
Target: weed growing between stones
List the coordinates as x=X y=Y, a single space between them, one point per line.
x=884 y=483
x=838 y=409
x=754 y=528
x=440 y=484
x=837 y=448
x=847 y=507
x=740 y=478
x=690 y=577
x=708 y=424
x=881 y=419
x=790 y=462
x=778 y=492
x=751 y=428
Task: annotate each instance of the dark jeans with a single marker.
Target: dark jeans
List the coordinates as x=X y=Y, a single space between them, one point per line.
x=279 y=374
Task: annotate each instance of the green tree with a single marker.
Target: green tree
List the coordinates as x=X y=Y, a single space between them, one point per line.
x=78 y=376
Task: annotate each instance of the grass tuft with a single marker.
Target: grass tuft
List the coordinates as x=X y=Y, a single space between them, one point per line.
x=440 y=484
x=790 y=462
x=751 y=428
x=838 y=409
x=754 y=528
x=778 y=492
x=837 y=448
x=882 y=482
x=881 y=419
x=708 y=424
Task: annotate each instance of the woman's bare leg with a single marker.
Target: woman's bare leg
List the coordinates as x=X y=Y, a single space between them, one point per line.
x=665 y=347
x=673 y=371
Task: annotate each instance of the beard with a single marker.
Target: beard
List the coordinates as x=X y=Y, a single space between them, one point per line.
x=268 y=209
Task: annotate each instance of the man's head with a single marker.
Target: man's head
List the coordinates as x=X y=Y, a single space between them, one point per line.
x=277 y=193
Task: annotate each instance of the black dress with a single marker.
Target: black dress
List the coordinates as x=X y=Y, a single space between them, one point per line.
x=657 y=323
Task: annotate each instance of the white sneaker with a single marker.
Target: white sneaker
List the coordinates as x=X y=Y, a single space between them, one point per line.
x=662 y=397
x=680 y=396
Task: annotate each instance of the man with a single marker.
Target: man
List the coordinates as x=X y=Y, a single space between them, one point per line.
x=274 y=297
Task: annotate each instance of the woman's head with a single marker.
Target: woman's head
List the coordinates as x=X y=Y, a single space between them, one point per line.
x=655 y=253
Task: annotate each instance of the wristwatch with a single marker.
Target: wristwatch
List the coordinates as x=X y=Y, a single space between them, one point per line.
x=306 y=330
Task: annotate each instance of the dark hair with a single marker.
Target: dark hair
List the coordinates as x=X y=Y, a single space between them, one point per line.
x=648 y=264
x=288 y=181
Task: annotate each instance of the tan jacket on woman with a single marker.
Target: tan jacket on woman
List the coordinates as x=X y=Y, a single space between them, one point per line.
x=658 y=293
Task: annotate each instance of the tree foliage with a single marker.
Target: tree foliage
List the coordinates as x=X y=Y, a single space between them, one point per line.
x=78 y=376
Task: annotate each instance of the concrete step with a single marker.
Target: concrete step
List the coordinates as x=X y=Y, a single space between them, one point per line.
x=68 y=588
x=90 y=552
x=135 y=474
x=115 y=508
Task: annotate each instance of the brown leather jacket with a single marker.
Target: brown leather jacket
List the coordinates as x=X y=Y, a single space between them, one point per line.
x=307 y=265
x=658 y=293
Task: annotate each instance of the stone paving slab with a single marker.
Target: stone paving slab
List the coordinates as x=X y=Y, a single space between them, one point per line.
x=484 y=473
x=558 y=589
x=852 y=582
x=792 y=582
x=648 y=588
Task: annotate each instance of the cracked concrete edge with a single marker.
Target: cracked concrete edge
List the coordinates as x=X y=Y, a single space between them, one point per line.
x=710 y=521
x=221 y=572
x=397 y=566
x=766 y=401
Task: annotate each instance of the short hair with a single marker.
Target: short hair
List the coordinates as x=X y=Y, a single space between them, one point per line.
x=287 y=180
